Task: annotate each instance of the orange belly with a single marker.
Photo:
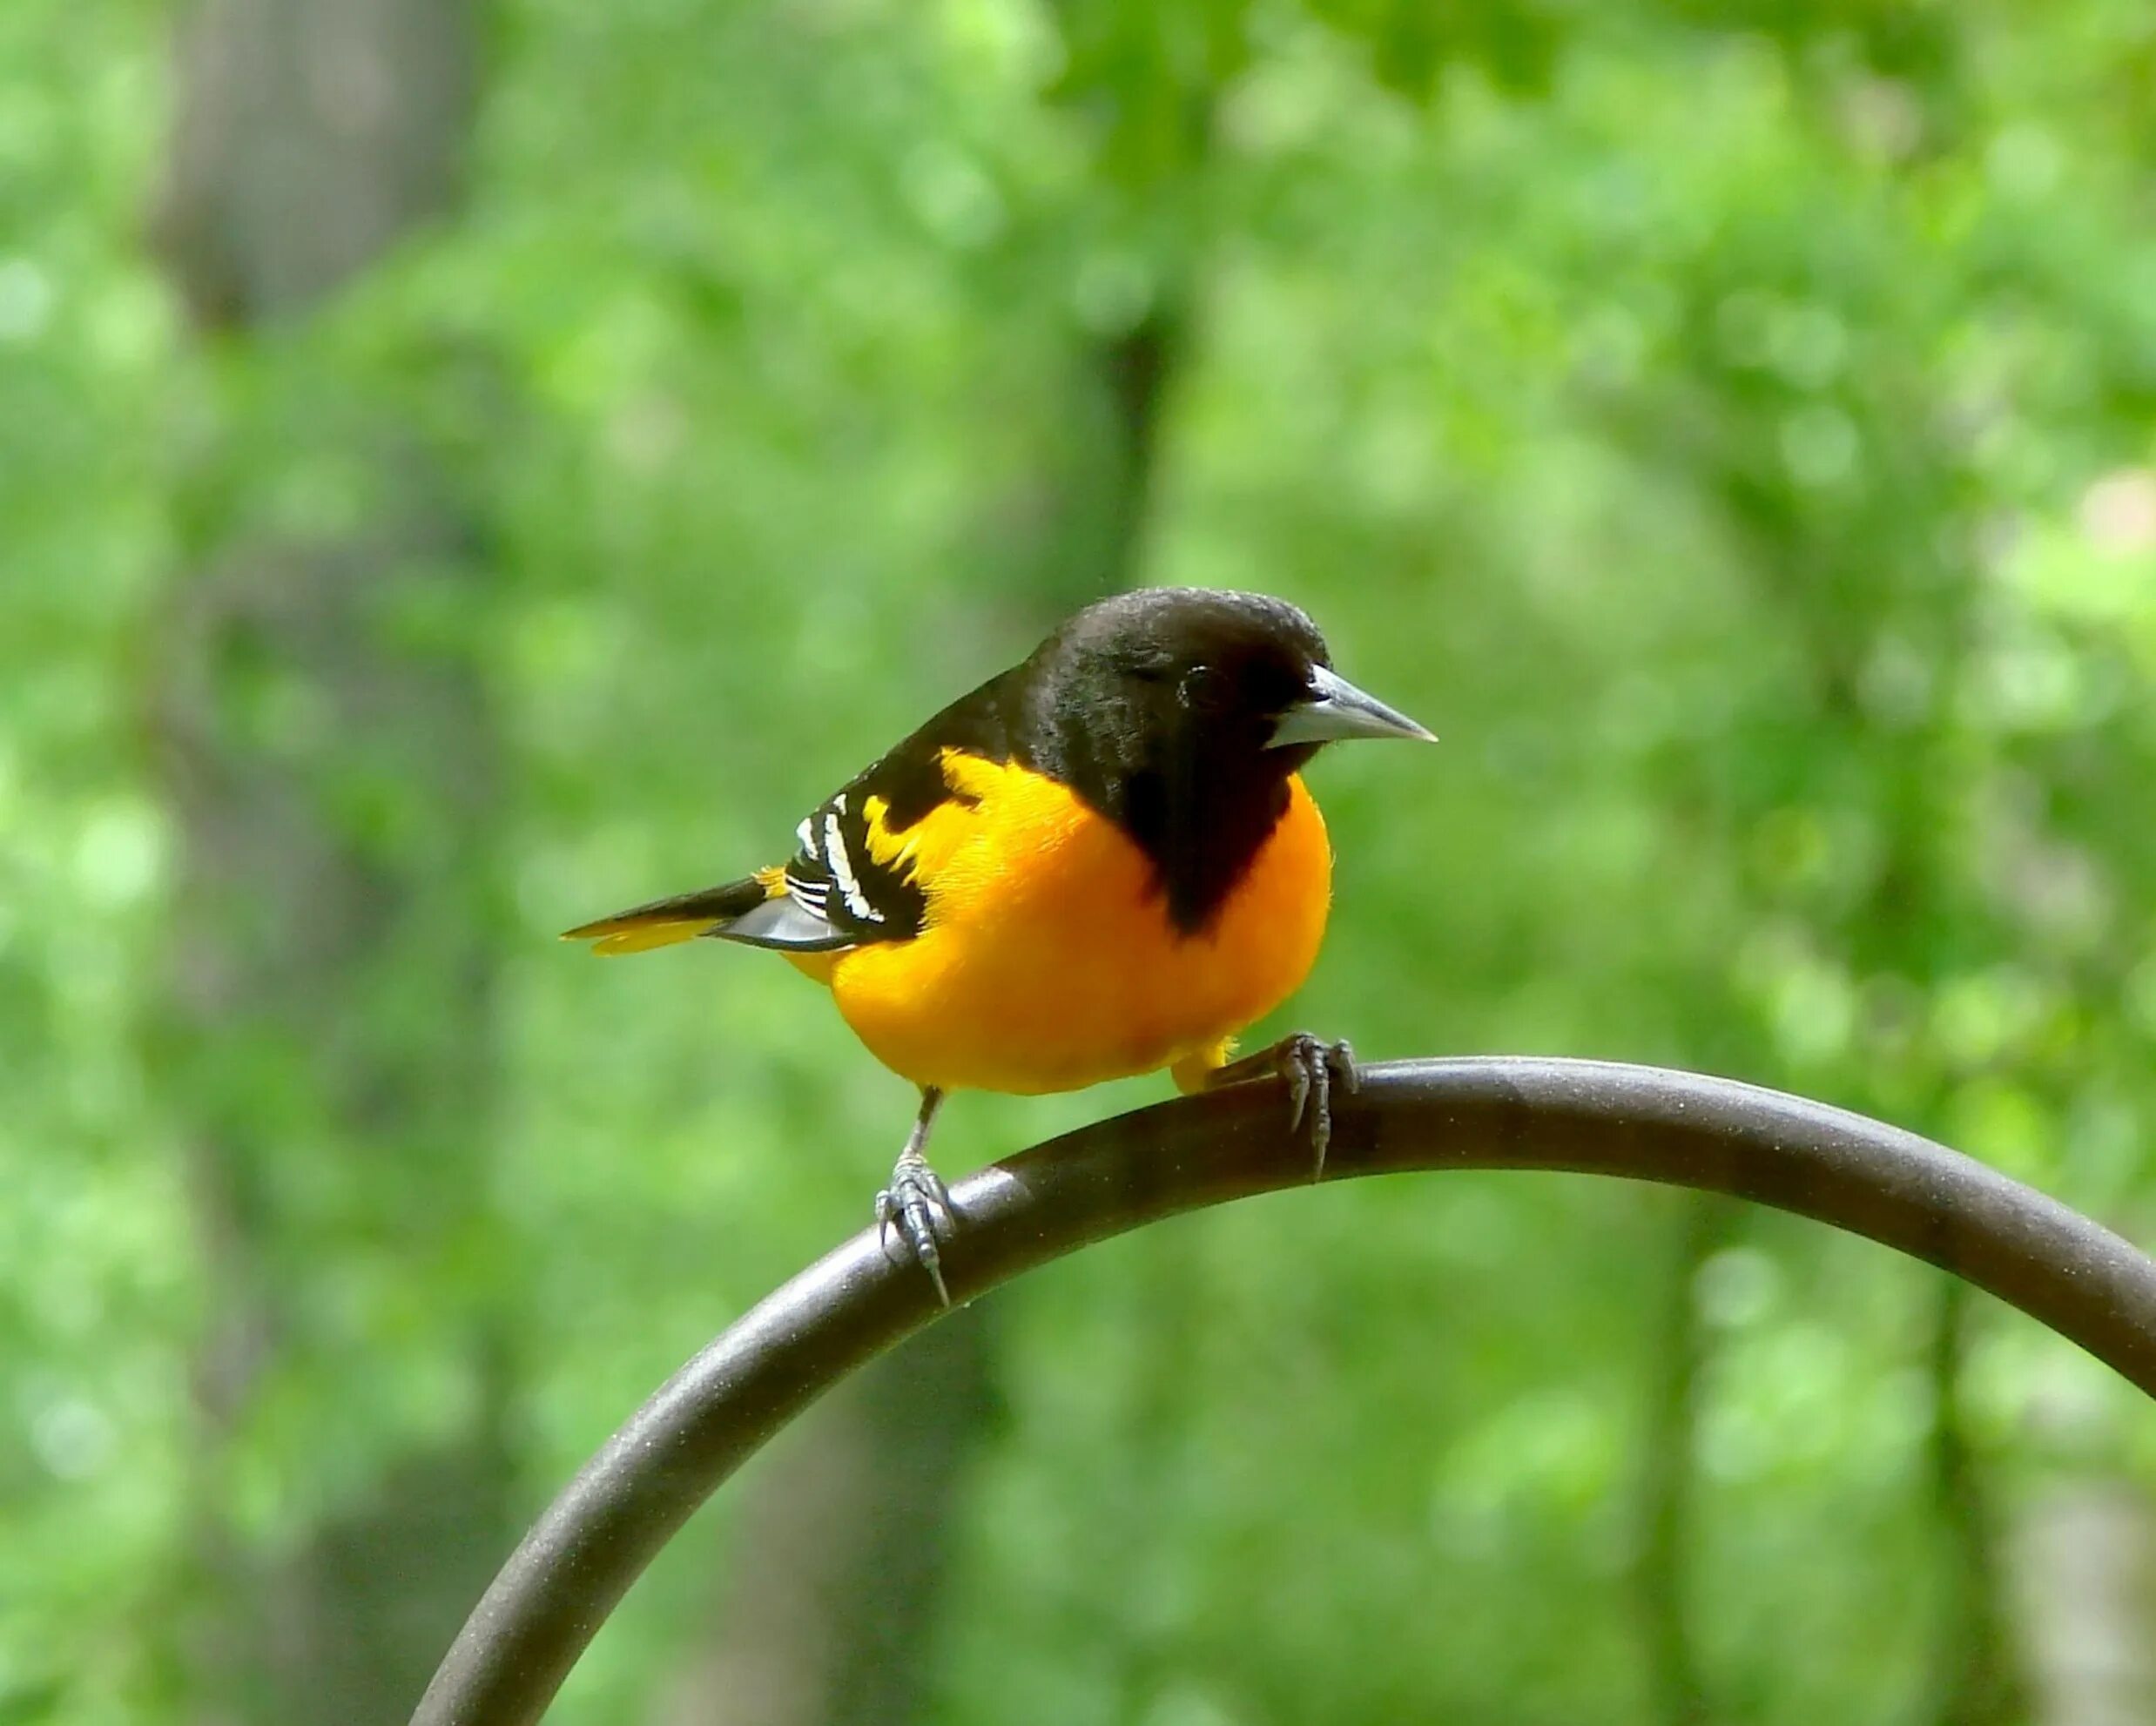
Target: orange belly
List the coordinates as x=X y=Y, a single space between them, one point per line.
x=1047 y=961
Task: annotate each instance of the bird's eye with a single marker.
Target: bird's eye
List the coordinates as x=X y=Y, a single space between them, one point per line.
x=1203 y=687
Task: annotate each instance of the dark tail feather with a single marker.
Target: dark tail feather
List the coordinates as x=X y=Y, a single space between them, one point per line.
x=683 y=917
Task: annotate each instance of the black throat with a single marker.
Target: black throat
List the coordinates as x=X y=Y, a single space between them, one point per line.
x=1198 y=795
x=1202 y=826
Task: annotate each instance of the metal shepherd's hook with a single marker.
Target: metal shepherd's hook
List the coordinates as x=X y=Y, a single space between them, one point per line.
x=1584 y=1116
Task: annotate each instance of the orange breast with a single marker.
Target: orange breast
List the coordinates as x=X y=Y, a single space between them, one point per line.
x=1048 y=961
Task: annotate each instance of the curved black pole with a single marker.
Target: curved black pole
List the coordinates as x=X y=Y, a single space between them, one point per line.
x=1584 y=1116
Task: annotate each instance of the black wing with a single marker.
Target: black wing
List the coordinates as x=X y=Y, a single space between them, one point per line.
x=834 y=878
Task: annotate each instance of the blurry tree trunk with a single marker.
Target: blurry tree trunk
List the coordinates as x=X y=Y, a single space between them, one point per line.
x=1978 y=1681
x=1164 y=1314
x=1136 y=368
x=843 y=1543
x=1082 y=517
x=326 y=747
x=309 y=135
x=1662 y=1567
x=2085 y=1590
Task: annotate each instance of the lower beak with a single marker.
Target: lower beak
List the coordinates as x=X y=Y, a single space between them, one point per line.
x=1335 y=711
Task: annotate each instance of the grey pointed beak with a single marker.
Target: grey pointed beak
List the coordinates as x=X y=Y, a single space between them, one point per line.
x=1335 y=710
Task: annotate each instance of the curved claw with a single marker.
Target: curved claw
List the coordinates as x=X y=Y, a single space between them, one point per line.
x=1320 y=1112
x=917 y=1205
x=1311 y=1067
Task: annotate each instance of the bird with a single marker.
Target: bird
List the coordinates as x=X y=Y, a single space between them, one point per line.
x=1102 y=862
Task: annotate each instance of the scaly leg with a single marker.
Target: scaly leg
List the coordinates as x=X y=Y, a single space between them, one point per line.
x=1311 y=1067
x=916 y=1201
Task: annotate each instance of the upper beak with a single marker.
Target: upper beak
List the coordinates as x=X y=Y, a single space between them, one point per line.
x=1335 y=710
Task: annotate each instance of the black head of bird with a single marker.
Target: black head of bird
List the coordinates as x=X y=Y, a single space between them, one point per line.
x=1203 y=669
x=1182 y=713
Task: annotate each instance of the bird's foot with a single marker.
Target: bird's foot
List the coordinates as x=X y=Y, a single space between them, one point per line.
x=917 y=1206
x=1311 y=1067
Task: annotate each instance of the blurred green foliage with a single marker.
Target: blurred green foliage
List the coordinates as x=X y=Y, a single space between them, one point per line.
x=1729 y=427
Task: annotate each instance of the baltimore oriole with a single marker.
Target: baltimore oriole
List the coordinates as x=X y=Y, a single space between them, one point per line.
x=1102 y=862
